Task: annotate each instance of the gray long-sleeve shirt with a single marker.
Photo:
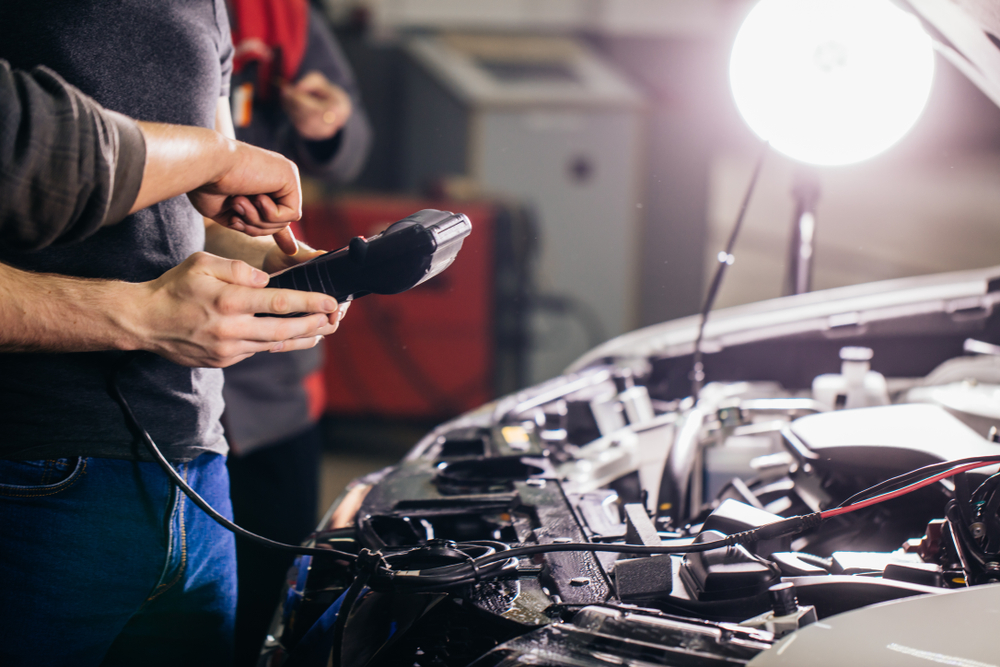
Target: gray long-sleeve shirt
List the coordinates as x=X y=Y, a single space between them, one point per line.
x=67 y=165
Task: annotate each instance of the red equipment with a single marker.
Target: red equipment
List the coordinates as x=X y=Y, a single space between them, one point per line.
x=427 y=353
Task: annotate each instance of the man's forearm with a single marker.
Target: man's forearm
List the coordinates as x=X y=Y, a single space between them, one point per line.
x=180 y=159
x=200 y=313
x=52 y=313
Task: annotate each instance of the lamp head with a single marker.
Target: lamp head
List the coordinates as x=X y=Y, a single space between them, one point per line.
x=831 y=82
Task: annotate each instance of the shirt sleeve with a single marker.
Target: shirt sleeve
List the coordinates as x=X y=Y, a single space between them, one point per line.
x=67 y=165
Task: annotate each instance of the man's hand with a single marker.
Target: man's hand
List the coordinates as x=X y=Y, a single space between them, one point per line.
x=316 y=107
x=260 y=253
x=258 y=195
x=201 y=313
x=237 y=185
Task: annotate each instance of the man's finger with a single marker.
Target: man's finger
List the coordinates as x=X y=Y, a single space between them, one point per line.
x=273 y=330
x=231 y=271
x=297 y=344
x=272 y=301
x=286 y=242
x=325 y=329
x=251 y=217
x=266 y=207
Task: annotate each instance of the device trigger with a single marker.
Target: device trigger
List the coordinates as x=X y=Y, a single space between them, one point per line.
x=357 y=249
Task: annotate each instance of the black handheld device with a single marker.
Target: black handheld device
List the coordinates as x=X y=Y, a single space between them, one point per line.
x=407 y=253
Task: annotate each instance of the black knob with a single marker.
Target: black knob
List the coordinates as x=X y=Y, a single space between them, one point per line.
x=783 y=599
x=623 y=379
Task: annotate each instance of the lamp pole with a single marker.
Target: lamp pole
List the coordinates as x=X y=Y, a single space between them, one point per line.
x=801 y=249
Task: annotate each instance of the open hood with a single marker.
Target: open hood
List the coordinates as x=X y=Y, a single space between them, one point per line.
x=967 y=34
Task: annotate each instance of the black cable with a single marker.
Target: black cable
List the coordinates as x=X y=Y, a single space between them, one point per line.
x=725 y=260
x=464 y=573
x=176 y=478
x=368 y=562
x=466 y=558
x=988 y=484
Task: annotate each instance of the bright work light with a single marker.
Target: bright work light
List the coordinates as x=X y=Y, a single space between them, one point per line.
x=831 y=82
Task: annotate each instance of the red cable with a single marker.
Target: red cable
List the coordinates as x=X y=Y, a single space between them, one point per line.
x=903 y=491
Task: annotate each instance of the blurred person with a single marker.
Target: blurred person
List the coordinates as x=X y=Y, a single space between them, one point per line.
x=293 y=92
x=102 y=560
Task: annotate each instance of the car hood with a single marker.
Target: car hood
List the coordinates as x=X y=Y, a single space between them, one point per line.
x=899 y=306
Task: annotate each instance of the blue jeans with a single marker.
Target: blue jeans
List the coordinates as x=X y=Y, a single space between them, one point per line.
x=103 y=562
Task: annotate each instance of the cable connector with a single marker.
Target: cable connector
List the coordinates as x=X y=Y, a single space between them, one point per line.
x=790 y=526
x=370 y=561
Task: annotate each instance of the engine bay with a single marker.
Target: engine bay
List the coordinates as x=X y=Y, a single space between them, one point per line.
x=866 y=464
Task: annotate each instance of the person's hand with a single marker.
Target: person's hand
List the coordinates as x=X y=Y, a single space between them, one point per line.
x=258 y=194
x=316 y=107
x=201 y=313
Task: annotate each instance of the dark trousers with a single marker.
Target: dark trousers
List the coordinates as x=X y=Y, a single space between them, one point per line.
x=275 y=491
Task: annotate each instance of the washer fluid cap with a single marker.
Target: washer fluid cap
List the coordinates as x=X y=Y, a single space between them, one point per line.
x=856 y=354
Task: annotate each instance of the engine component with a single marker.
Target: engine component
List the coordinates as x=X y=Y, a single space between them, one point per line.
x=639 y=579
x=856 y=386
x=786 y=615
x=890 y=439
x=862 y=562
x=639 y=529
x=793 y=564
x=975 y=403
x=925 y=574
x=733 y=517
x=727 y=573
x=635 y=637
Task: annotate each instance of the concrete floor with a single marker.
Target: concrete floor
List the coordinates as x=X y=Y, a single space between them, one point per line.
x=339 y=468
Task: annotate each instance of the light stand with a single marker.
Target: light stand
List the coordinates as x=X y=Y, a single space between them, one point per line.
x=828 y=82
x=798 y=277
